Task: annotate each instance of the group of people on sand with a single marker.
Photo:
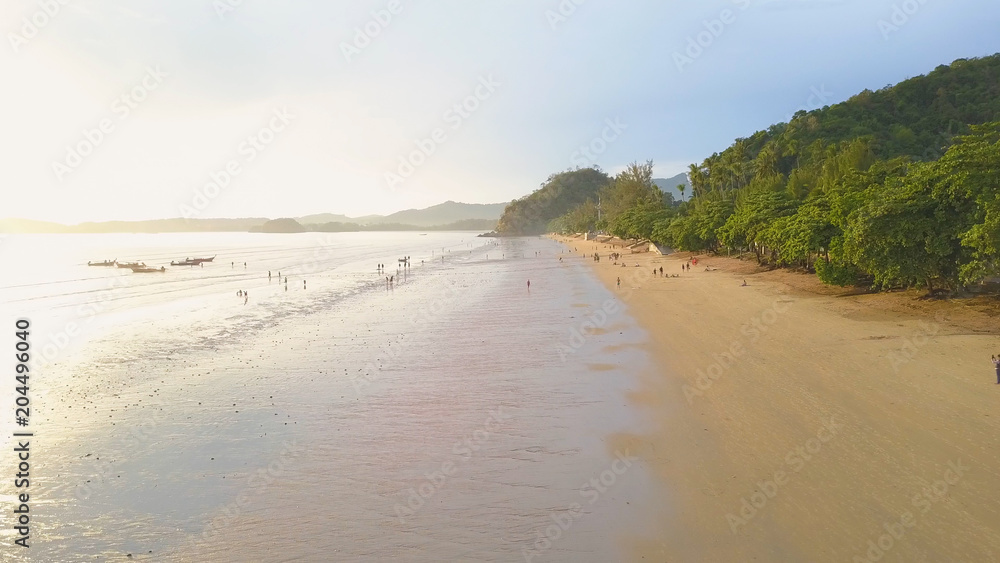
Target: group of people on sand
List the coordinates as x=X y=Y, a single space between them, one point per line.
x=662 y=275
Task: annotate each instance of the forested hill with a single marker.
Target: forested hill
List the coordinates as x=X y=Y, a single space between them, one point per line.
x=678 y=187
x=531 y=214
x=917 y=118
x=891 y=189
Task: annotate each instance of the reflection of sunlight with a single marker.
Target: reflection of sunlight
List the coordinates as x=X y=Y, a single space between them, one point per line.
x=147 y=383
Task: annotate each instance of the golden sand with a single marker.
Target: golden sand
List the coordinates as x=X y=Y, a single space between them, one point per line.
x=793 y=422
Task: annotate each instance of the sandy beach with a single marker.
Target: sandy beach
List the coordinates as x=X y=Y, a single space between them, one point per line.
x=789 y=421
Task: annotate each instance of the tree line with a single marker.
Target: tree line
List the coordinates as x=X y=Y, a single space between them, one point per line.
x=896 y=188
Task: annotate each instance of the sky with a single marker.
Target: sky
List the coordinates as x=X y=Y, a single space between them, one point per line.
x=143 y=109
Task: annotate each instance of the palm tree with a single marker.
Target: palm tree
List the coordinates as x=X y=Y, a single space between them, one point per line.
x=698 y=180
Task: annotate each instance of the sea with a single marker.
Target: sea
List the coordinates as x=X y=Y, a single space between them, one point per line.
x=459 y=413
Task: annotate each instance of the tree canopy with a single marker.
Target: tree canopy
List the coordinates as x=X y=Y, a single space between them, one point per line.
x=898 y=187
x=532 y=214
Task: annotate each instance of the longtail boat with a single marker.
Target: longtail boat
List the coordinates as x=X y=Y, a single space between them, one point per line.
x=191 y=261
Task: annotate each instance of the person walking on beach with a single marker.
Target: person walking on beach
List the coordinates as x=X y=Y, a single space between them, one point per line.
x=996 y=364
x=529 y=286
x=661 y=271
x=269 y=276
x=619 y=283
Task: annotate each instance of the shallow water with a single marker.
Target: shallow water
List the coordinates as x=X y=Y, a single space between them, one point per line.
x=451 y=417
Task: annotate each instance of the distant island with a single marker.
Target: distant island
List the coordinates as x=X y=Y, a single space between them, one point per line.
x=281 y=226
x=447 y=216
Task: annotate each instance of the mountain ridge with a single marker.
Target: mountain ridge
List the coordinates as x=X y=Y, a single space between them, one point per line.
x=441 y=215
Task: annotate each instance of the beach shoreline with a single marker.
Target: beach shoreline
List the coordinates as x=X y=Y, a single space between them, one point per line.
x=794 y=422
x=449 y=416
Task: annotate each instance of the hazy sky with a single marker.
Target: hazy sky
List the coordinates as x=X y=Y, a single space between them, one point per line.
x=501 y=93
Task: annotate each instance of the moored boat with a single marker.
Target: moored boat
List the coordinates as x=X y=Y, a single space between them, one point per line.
x=191 y=261
x=106 y=263
x=131 y=264
x=145 y=270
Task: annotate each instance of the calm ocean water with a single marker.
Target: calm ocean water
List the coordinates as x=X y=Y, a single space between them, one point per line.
x=453 y=417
